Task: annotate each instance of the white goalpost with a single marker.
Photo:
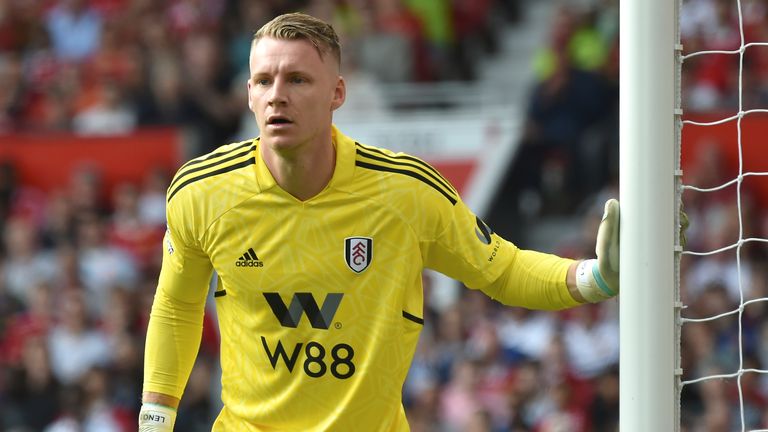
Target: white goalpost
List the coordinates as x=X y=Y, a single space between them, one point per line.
x=649 y=167
x=651 y=310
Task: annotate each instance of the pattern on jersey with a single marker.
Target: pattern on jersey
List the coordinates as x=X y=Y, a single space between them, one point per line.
x=375 y=159
x=214 y=164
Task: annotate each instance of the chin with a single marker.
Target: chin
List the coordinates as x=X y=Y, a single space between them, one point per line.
x=280 y=142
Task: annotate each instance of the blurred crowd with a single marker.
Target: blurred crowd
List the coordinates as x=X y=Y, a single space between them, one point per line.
x=711 y=82
x=108 y=66
x=80 y=263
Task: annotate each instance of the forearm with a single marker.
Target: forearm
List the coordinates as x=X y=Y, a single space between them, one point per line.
x=173 y=338
x=537 y=280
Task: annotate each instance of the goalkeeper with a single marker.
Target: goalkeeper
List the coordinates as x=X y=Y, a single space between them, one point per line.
x=318 y=243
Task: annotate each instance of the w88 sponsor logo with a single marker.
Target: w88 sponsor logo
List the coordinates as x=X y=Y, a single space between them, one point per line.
x=315 y=364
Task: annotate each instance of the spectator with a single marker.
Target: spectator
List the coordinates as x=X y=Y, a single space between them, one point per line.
x=103 y=267
x=30 y=323
x=127 y=231
x=26 y=264
x=392 y=17
x=197 y=407
x=99 y=412
x=459 y=399
x=591 y=341
x=12 y=92
x=562 y=414
x=32 y=390
x=525 y=334
x=86 y=192
x=75 y=345
x=58 y=224
x=152 y=198
x=604 y=408
x=8 y=189
x=75 y=30
x=109 y=114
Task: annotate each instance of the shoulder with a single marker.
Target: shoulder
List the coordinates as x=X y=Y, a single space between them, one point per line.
x=216 y=166
x=405 y=171
x=207 y=187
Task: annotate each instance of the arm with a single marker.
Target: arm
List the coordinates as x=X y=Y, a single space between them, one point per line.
x=540 y=281
x=174 y=331
x=457 y=243
x=537 y=280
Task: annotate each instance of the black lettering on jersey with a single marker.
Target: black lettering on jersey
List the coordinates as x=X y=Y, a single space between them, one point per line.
x=319 y=317
x=316 y=362
x=496 y=247
x=281 y=353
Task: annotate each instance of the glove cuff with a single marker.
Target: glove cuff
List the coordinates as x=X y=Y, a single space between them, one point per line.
x=590 y=282
x=156 y=418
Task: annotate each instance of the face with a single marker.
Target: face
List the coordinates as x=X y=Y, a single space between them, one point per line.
x=293 y=92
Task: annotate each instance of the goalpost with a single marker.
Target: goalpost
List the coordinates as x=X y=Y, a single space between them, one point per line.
x=650 y=187
x=649 y=166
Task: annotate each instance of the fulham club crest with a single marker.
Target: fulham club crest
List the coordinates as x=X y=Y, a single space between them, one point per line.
x=358 y=252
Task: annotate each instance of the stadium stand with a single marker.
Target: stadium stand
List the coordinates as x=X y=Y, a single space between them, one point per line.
x=79 y=260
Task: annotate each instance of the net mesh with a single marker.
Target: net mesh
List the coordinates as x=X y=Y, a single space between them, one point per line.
x=722 y=295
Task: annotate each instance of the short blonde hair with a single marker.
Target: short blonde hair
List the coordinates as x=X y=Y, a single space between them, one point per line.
x=299 y=26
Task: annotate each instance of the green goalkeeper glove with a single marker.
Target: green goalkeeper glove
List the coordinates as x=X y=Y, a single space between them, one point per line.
x=156 y=418
x=598 y=279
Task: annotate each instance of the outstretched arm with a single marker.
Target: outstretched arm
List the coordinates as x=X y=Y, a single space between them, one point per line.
x=537 y=280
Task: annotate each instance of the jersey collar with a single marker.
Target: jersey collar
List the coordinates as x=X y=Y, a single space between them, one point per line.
x=342 y=172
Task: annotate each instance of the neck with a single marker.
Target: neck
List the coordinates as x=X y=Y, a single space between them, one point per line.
x=303 y=173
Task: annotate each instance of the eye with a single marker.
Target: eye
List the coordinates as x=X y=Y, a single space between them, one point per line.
x=298 y=80
x=261 y=81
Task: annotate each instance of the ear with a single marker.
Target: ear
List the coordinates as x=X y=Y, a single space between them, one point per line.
x=248 y=86
x=339 y=94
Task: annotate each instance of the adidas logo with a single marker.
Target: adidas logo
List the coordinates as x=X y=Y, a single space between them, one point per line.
x=249 y=259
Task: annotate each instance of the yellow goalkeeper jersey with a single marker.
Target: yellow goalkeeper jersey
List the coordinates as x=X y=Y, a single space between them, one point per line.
x=319 y=302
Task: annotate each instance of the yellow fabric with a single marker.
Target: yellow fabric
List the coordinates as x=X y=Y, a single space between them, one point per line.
x=175 y=324
x=281 y=261
x=535 y=280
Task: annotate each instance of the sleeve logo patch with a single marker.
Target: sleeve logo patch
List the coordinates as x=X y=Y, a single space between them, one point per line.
x=483 y=231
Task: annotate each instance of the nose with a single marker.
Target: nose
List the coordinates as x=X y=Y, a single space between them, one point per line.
x=277 y=95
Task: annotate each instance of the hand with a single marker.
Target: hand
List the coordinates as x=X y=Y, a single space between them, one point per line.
x=156 y=418
x=598 y=279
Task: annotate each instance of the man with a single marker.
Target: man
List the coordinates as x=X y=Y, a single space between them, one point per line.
x=319 y=243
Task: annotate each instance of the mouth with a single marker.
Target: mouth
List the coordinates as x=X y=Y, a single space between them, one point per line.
x=277 y=120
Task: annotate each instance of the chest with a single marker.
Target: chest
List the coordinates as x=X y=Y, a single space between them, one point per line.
x=266 y=246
